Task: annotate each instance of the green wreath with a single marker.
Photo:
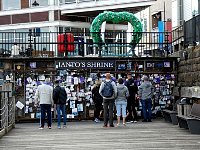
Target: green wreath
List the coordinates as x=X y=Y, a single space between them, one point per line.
x=116 y=17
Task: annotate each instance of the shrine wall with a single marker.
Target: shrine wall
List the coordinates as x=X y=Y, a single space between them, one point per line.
x=189 y=72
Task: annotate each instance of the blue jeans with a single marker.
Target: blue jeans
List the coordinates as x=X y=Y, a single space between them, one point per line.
x=146 y=106
x=45 y=108
x=61 y=107
x=121 y=108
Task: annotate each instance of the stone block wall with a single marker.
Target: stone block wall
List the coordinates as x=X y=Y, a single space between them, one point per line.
x=189 y=70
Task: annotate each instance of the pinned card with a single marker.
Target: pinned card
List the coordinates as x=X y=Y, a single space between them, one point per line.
x=75 y=111
x=72 y=104
x=70 y=115
x=76 y=81
x=26 y=110
x=19 y=105
x=80 y=107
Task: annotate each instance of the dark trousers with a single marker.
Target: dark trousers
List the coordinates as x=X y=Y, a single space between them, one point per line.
x=45 y=108
x=146 y=106
x=98 y=107
x=108 y=106
x=131 y=109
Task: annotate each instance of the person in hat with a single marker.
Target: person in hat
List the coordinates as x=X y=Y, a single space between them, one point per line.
x=98 y=100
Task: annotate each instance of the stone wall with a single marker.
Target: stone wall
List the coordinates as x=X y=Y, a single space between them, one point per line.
x=189 y=70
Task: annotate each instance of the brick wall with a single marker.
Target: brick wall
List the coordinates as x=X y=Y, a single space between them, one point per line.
x=39 y=16
x=20 y=18
x=5 y=20
x=24 y=18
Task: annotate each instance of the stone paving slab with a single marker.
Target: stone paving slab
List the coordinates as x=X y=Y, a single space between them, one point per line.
x=87 y=135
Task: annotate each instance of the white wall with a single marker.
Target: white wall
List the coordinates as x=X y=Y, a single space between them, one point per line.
x=187 y=7
x=175 y=13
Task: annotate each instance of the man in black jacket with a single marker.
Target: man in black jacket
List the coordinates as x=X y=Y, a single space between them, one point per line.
x=60 y=97
x=131 y=102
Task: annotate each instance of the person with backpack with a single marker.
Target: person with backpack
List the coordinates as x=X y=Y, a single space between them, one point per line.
x=98 y=100
x=131 y=102
x=108 y=91
x=60 y=97
x=121 y=101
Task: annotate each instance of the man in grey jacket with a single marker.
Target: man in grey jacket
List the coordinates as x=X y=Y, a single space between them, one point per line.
x=145 y=94
x=108 y=87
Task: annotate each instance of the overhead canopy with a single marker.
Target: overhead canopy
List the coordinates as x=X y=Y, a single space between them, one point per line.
x=93 y=8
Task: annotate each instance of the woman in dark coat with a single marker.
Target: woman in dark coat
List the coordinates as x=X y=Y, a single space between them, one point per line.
x=97 y=98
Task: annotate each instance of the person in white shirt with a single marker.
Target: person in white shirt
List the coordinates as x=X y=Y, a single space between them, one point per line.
x=44 y=95
x=15 y=49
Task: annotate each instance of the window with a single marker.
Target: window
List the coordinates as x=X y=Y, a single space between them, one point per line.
x=67 y=1
x=155 y=18
x=40 y=2
x=11 y=4
x=194 y=7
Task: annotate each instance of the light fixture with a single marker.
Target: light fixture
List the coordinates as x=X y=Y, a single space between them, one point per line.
x=35 y=3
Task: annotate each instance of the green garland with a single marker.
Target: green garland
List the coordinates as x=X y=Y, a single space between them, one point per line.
x=116 y=17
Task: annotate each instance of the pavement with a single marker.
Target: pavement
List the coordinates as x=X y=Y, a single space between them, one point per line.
x=88 y=135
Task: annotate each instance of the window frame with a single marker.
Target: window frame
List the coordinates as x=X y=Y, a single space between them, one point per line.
x=3 y=8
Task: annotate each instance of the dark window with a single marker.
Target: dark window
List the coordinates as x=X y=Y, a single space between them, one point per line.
x=155 y=18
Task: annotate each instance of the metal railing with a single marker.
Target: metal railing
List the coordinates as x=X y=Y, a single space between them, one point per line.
x=115 y=44
x=192 y=31
x=7 y=112
x=178 y=35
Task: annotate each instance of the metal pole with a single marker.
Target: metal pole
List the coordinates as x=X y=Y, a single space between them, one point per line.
x=6 y=113
x=65 y=43
x=164 y=16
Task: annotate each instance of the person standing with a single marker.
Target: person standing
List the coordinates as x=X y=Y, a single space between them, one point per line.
x=60 y=99
x=108 y=91
x=44 y=95
x=145 y=94
x=15 y=49
x=131 y=102
x=98 y=100
x=121 y=101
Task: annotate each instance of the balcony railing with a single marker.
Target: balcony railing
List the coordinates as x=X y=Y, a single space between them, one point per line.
x=113 y=44
x=7 y=112
x=192 y=31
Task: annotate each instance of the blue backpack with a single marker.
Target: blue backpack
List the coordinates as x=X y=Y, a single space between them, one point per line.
x=108 y=89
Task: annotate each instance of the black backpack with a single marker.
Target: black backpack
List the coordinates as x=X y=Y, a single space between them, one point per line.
x=108 y=89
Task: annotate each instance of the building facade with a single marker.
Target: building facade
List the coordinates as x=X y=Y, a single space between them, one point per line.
x=59 y=16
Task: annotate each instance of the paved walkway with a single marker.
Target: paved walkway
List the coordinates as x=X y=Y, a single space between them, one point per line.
x=87 y=135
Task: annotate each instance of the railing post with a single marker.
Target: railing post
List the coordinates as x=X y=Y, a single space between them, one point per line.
x=194 y=30
x=6 y=113
x=184 y=34
x=65 y=43
x=100 y=45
